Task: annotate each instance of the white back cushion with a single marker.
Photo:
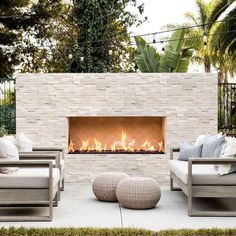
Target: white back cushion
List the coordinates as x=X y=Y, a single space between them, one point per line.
x=229 y=153
x=8 y=152
x=23 y=143
x=200 y=140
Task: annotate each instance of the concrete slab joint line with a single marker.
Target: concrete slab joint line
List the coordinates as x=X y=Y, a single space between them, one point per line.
x=175 y=96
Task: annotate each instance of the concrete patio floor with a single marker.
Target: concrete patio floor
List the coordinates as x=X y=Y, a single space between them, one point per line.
x=79 y=208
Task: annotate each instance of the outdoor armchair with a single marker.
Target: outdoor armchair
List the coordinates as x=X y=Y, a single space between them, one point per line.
x=35 y=183
x=61 y=151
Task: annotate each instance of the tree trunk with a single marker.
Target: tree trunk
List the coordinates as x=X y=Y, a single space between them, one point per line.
x=220 y=77
x=207 y=64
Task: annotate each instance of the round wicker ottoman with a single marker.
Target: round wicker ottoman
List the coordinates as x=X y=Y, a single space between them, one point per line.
x=104 y=185
x=138 y=193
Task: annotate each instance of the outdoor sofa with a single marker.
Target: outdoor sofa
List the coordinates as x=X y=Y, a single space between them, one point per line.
x=36 y=183
x=197 y=178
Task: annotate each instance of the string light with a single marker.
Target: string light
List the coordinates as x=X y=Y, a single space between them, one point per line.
x=110 y=52
x=154 y=40
x=205 y=37
x=44 y=60
x=205 y=40
x=81 y=58
x=70 y=56
x=163 y=46
x=9 y=59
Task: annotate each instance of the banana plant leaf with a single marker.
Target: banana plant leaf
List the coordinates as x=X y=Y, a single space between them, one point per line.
x=184 y=60
x=170 y=59
x=145 y=56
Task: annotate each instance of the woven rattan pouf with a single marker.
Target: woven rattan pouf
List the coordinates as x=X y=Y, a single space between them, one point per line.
x=104 y=185
x=138 y=193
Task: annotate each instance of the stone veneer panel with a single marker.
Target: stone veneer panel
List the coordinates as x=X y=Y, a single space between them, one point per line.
x=189 y=101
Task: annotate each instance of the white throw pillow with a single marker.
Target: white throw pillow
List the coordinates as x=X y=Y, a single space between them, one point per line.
x=229 y=153
x=10 y=138
x=23 y=143
x=8 y=152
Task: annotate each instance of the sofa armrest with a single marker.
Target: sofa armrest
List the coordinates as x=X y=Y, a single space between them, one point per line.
x=51 y=149
x=206 y=161
x=38 y=156
x=172 y=150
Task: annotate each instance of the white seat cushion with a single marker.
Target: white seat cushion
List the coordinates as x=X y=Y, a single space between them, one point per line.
x=29 y=178
x=202 y=174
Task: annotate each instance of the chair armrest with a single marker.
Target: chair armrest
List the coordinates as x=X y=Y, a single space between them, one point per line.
x=41 y=155
x=34 y=164
x=172 y=150
x=50 y=149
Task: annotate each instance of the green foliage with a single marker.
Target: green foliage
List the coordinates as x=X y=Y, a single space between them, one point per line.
x=221 y=46
x=8 y=96
x=103 y=26
x=19 y=20
x=146 y=57
x=3 y=130
x=8 y=117
x=21 y=231
x=176 y=58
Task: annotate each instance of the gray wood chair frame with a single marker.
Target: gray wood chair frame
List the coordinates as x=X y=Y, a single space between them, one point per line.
x=53 y=149
x=38 y=156
x=205 y=191
x=28 y=196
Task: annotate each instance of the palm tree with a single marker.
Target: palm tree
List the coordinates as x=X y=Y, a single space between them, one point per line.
x=207 y=18
x=223 y=44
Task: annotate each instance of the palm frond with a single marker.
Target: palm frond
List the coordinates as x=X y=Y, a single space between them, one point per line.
x=202 y=8
x=190 y=16
x=216 y=8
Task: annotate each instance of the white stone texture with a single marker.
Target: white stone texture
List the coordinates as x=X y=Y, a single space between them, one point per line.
x=189 y=101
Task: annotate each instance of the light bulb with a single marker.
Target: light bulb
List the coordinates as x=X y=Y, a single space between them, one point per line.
x=81 y=59
x=154 y=40
x=70 y=56
x=9 y=59
x=205 y=37
x=110 y=52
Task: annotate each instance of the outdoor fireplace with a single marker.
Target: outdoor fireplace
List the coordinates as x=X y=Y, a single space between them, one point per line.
x=126 y=134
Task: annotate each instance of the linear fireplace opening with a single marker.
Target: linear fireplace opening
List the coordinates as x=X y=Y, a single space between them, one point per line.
x=116 y=134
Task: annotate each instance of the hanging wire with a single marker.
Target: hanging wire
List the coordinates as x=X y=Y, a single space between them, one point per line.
x=147 y=34
x=51 y=46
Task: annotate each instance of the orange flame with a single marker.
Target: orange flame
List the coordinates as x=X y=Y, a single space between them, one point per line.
x=123 y=144
x=71 y=147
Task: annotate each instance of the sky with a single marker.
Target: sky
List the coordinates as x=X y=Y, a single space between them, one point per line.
x=162 y=12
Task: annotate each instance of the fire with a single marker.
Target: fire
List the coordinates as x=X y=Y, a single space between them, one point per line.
x=71 y=147
x=124 y=144
x=85 y=145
